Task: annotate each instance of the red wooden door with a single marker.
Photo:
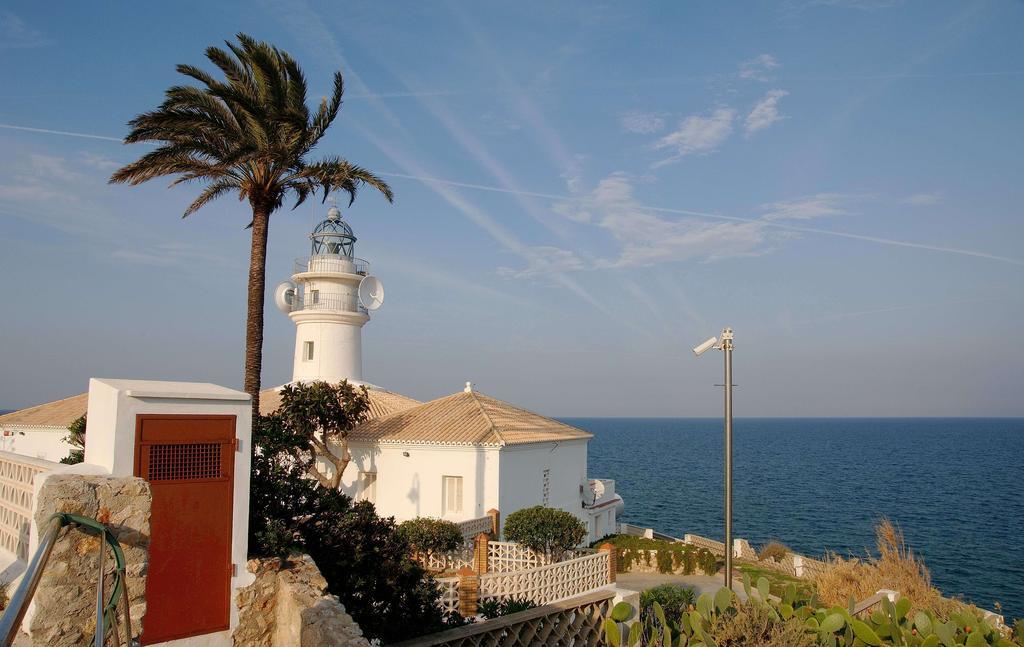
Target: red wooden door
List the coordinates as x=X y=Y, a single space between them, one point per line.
x=188 y=461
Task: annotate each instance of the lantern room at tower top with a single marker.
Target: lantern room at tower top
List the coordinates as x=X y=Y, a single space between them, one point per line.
x=329 y=298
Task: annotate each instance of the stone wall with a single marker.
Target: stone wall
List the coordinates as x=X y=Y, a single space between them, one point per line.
x=65 y=602
x=290 y=606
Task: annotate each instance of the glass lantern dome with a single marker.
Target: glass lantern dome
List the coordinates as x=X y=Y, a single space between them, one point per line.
x=333 y=236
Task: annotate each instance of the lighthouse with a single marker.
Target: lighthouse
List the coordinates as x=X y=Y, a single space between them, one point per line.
x=329 y=298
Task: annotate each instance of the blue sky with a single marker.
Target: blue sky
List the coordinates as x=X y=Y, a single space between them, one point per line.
x=584 y=191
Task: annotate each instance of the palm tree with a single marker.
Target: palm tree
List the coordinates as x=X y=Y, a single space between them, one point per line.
x=249 y=134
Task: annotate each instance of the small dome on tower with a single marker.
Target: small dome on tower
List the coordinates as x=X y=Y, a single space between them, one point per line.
x=333 y=236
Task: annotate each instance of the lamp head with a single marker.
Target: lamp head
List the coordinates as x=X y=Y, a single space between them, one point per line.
x=705 y=347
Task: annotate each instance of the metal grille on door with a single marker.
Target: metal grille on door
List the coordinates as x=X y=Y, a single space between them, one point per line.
x=179 y=462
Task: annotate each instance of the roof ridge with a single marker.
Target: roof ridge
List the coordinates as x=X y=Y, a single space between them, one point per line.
x=535 y=414
x=490 y=421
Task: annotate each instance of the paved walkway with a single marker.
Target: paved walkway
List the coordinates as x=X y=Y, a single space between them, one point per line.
x=699 y=583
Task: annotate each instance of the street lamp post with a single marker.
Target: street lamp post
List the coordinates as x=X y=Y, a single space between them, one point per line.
x=725 y=344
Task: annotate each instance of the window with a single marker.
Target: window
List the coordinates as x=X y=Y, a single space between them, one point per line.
x=307 y=350
x=314 y=296
x=451 y=494
x=367 y=488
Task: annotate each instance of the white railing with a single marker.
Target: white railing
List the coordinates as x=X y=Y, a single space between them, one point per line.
x=473 y=527
x=715 y=547
x=507 y=556
x=16 y=475
x=453 y=561
x=449 y=600
x=546 y=584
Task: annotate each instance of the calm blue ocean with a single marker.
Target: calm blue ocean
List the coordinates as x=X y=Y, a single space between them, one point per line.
x=955 y=487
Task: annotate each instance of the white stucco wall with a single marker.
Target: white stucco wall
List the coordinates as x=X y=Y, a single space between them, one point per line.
x=410 y=486
x=38 y=442
x=522 y=476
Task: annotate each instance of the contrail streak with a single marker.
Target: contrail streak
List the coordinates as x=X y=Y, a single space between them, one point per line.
x=717 y=216
x=66 y=133
x=683 y=212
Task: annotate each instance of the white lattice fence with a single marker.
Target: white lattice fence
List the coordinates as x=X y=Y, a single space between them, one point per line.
x=449 y=600
x=16 y=474
x=473 y=527
x=507 y=556
x=453 y=561
x=545 y=584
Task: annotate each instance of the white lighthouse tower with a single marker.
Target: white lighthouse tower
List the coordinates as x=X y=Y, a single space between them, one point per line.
x=330 y=298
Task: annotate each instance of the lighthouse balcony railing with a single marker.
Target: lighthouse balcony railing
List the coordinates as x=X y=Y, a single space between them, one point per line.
x=331 y=263
x=342 y=302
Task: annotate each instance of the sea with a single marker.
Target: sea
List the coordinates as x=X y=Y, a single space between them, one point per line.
x=955 y=486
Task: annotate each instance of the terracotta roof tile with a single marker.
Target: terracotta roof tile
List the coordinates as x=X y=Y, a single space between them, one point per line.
x=467 y=418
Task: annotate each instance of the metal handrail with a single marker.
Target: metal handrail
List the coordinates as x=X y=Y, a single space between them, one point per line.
x=106 y=614
x=331 y=263
x=329 y=301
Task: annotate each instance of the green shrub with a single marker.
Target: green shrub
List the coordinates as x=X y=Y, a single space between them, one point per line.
x=545 y=530
x=427 y=535
x=674 y=599
x=773 y=550
x=494 y=608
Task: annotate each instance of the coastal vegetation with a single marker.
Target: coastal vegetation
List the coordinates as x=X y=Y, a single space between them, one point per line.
x=773 y=550
x=251 y=135
x=723 y=620
x=674 y=599
x=495 y=608
x=893 y=567
x=667 y=556
x=545 y=530
x=362 y=556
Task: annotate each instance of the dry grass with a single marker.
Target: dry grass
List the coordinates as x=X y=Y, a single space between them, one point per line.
x=894 y=567
x=773 y=550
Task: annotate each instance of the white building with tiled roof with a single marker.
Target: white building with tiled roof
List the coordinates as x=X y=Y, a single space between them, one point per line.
x=460 y=456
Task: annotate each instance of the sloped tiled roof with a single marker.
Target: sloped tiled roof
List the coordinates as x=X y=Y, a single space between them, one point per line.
x=467 y=418
x=61 y=413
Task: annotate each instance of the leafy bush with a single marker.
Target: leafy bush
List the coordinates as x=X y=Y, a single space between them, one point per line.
x=75 y=438
x=427 y=535
x=794 y=621
x=494 y=608
x=773 y=550
x=674 y=599
x=545 y=530
x=364 y=559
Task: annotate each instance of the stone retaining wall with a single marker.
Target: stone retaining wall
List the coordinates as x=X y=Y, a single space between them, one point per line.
x=290 y=607
x=65 y=602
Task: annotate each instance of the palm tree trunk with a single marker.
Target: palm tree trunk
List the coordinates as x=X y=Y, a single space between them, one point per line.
x=254 y=312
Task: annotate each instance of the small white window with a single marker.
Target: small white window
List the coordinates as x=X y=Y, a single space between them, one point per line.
x=451 y=494
x=314 y=296
x=307 y=350
x=367 y=487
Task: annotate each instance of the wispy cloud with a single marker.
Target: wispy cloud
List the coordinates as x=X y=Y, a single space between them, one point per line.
x=697 y=134
x=15 y=33
x=758 y=68
x=765 y=112
x=923 y=199
x=642 y=123
x=66 y=133
x=809 y=207
x=545 y=260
